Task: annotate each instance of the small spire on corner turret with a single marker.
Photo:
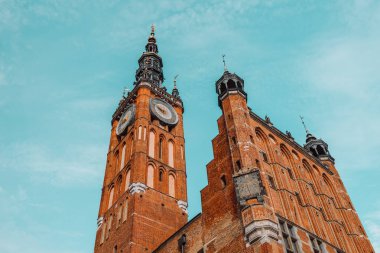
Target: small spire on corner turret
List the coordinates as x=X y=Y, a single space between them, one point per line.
x=224 y=63
x=175 y=91
x=316 y=147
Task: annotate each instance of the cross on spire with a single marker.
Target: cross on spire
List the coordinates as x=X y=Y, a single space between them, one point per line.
x=152 y=29
x=304 y=125
x=175 y=81
x=224 y=63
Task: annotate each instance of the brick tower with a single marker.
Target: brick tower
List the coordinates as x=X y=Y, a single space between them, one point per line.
x=266 y=193
x=144 y=198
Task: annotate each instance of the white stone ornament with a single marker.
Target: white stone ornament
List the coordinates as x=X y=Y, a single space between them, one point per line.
x=137 y=188
x=183 y=205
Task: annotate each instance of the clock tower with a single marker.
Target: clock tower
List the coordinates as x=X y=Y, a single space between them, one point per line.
x=144 y=198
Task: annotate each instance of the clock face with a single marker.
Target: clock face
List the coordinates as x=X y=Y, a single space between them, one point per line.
x=163 y=111
x=126 y=119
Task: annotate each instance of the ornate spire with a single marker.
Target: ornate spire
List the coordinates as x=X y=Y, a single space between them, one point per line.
x=229 y=83
x=316 y=147
x=175 y=91
x=150 y=63
x=224 y=63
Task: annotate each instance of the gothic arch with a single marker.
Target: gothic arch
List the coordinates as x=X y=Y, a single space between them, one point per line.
x=171 y=153
x=172 y=184
x=150 y=175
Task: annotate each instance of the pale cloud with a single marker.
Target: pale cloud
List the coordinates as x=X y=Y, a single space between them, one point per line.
x=372 y=223
x=79 y=164
x=342 y=74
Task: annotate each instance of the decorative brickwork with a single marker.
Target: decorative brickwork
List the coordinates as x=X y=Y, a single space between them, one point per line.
x=265 y=192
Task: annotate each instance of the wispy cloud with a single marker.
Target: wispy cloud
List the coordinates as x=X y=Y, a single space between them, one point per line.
x=342 y=71
x=66 y=167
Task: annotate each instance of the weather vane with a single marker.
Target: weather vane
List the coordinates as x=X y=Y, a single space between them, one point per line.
x=224 y=62
x=175 y=81
x=304 y=125
x=152 y=31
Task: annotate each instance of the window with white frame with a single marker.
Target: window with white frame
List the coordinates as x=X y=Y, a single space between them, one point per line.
x=317 y=245
x=289 y=237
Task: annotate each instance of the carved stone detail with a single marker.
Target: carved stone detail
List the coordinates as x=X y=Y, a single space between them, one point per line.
x=183 y=205
x=261 y=231
x=100 y=221
x=137 y=188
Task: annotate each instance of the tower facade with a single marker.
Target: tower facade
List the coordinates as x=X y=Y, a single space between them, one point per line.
x=144 y=198
x=266 y=193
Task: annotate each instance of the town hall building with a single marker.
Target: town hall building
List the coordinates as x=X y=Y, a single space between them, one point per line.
x=265 y=194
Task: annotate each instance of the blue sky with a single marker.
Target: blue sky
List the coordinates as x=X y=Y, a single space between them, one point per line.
x=63 y=66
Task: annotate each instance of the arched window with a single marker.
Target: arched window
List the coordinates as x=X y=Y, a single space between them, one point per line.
x=160 y=175
x=223 y=88
x=123 y=157
x=131 y=148
x=116 y=160
x=182 y=152
x=110 y=200
x=160 y=148
x=125 y=211
x=151 y=144
x=231 y=84
x=144 y=133
x=150 y=176
x=320 y=150
x=171 y=185
x=140 y=132
x=127 y=179
x=223 y=181
x=171 y=153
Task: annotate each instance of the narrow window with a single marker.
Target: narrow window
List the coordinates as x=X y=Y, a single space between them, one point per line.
x=234 y=140
x=151 y=144
x=182 y=153
x=140 y=132
x=238 y=165
x=115 y=249
x=116 y=160
x=104 y=227
x=289 y=237
x=127 y=180
x=316 y=245
x=171 y=154
x=144 y=133
x=171 y=185
x=160 y=148
x=223 y=181
x=131 y=149
x=251 y=138
x=160 y=175
x=258 y=165
x=119 y=216
x=109 y=224
x=150 y=176
x=271 y=182
x=265 y=157
x=125 y=211
x=110 y=200
x=123 y=157
x=290 y=173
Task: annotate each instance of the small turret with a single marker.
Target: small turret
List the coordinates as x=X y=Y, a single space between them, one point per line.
x=316 y=147
x=229 y=83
